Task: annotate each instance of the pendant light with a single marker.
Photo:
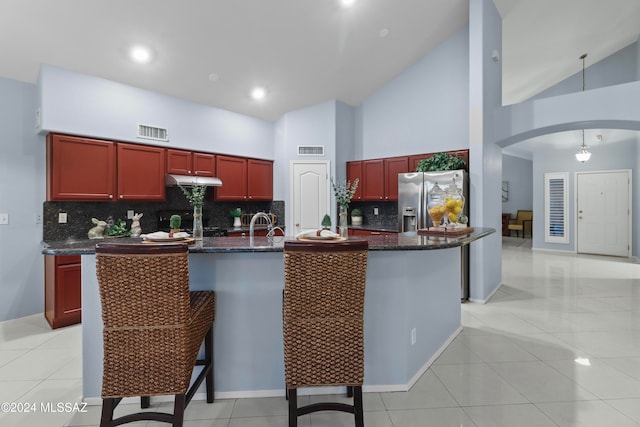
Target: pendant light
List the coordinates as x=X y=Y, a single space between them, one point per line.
x=583 y=155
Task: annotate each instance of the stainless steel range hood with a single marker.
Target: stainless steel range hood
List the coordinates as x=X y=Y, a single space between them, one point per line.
x=185 y=180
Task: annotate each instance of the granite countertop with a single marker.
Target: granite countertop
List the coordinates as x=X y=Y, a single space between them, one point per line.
x=392 y=242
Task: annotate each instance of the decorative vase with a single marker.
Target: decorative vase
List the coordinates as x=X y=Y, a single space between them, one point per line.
x=236 y=222
x=197 y=223
x=342 y=222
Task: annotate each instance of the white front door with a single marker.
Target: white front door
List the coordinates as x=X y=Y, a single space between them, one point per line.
x=603 y=213
x=309 y=194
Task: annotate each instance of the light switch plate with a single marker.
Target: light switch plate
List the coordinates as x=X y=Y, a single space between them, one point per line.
x=4 y=218
x=130 y=214
x=62 y=218
x=375 y=211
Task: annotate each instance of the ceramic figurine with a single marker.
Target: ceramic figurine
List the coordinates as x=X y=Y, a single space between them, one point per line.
x=136 y=230
x=97 y=232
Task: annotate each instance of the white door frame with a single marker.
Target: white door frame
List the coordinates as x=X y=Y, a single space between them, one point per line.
x=292 y=163
x=575 y=207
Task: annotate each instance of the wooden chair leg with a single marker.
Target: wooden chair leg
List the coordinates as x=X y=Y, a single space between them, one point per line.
x=349 y=391
x=208 y=356
x=293 y=407
x=108 y=405
x=178 y=410
x=145 y=402
x=358 y=410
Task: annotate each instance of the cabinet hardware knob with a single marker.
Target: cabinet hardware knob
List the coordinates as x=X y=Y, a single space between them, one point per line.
x=250 y=197
x=111 y=196
x=121 y=196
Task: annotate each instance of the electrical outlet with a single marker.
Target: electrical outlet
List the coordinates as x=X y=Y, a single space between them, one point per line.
x=413 y=336
x=130 y=214
x=62 y=218
x=38 y=218
x=4 y=218
x=375 y=211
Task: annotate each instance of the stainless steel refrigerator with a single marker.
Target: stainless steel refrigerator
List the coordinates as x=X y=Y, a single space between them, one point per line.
x=413 y=192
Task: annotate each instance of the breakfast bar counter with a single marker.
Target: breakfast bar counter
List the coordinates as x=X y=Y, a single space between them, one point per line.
x=412 y=309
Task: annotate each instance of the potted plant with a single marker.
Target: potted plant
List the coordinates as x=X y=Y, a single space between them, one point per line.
x=441 y=162
x=356 y=217
x=174 y=224
x=326 y=222
x=236 y=214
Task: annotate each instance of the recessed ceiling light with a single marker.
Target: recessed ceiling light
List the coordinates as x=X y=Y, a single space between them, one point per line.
x=384 y=32
x=348 y=3
x=258 y=93
x=141 y=54
x=214 y=77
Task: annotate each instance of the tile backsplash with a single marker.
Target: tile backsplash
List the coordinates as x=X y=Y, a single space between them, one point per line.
x=79 y=214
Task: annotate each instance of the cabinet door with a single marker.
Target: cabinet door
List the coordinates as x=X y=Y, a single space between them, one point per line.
x=233 y=173
x=62 y=285
x=259 y=179
x=354 y=170
x=393 y=167
x=373 y=177
x=68 y=291
x=204 y=164
x=141 y=170
x=179 y=162
x=80 y=168
x=414 y=160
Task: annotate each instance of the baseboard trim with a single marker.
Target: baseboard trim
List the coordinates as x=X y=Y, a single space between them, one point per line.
x=484 y=301
x=304 y=391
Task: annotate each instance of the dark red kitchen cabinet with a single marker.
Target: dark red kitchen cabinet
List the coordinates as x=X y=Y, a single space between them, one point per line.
x=184 y=162
x=233 y=173
x=80 y=169
x=204 y=164
x=259 y=179
x=354 y=171
x=373 y=180
x=141 y=171
x=414 y=160
x=244 y=179
x=393 y=166
x=62 y=290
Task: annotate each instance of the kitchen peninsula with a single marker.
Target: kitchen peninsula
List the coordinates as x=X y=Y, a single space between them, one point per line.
x=412 y=309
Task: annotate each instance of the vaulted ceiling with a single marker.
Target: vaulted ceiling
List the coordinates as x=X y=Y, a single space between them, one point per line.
x=301 y=51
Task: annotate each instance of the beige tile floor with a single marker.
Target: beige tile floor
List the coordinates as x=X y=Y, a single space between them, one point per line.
x=557 y=345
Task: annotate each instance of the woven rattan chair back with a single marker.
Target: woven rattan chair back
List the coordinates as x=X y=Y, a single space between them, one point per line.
x=323 y=317
x=153 y=325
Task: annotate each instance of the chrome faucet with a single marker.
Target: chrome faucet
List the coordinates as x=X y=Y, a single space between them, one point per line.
x=253 y=222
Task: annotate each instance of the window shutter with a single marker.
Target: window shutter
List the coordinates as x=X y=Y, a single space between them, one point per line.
x=555 y=207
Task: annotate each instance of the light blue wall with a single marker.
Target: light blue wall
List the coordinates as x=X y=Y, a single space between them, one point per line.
x=619 y=156
x=423 y=109
x=90 y=106
x=315 y=125
x=485 y=157
x=519 y=174
x=611 y=105
x=620 y=67
x=22 y=191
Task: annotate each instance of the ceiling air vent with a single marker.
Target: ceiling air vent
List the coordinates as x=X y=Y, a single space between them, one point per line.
x=153 y=132
x=310 y=150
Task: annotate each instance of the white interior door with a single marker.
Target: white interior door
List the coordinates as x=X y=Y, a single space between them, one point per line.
x=603 y=213
x=309 y=194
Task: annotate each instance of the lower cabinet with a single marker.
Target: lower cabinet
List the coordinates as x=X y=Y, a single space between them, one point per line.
x=62 y=290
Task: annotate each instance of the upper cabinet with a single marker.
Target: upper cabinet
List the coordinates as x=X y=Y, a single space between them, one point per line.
x=354 y=171
x=141 y=170
x=244 y=179
x=380 y=177
x=183 y=162
x=80 y=168
x=259 y=179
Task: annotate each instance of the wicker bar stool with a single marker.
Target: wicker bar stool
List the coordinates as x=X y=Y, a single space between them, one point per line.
x=153 y=329
x=323 y=321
